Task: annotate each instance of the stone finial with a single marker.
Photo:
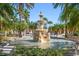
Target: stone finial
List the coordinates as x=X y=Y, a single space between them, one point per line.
x=41 y=14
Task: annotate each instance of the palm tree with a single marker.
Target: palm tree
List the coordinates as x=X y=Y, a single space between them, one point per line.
x=69 y=15
x=10 y=11
x=6 y=12
x=57 y=28
x=49 y=22
x=21 y=10
x=21 y=26
x=32 y=25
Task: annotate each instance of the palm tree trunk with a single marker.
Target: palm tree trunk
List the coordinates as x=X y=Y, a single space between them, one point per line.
x=20 y=35
x=1 y=24
x=65 y=29
x=20 y=17
x=5 y=34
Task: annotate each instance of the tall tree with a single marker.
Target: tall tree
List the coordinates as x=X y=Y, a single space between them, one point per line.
x=69 y=15
x=6 y=12
x=21 y=10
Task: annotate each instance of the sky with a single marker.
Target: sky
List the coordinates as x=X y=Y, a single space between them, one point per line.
x=48 y=11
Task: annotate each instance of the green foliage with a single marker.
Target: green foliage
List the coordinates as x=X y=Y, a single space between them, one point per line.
x=23 y=51
x=76 y=34
x=10 y=11
x=6 y=11
x=20 y=26
x=32 y=25
x=3 y=54
x=69 y=15
x=56 y=27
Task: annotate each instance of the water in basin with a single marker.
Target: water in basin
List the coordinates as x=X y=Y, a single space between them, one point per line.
x=53 y=43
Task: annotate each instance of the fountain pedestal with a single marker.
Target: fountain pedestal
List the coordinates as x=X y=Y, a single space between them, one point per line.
x=41 y=34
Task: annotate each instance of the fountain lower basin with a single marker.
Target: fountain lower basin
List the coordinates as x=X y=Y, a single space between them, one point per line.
x=52 y=43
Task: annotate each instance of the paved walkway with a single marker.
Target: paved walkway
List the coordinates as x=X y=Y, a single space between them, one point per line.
x=6 y=49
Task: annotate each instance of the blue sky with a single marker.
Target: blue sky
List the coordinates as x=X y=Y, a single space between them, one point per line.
x=48 y=11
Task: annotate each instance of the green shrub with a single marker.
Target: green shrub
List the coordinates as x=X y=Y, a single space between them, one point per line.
x=3 y=54
x=23 y=51
x=76 y=34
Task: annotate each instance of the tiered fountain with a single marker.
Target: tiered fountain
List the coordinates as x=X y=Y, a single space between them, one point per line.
x=41 y=34
x=42 y=38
